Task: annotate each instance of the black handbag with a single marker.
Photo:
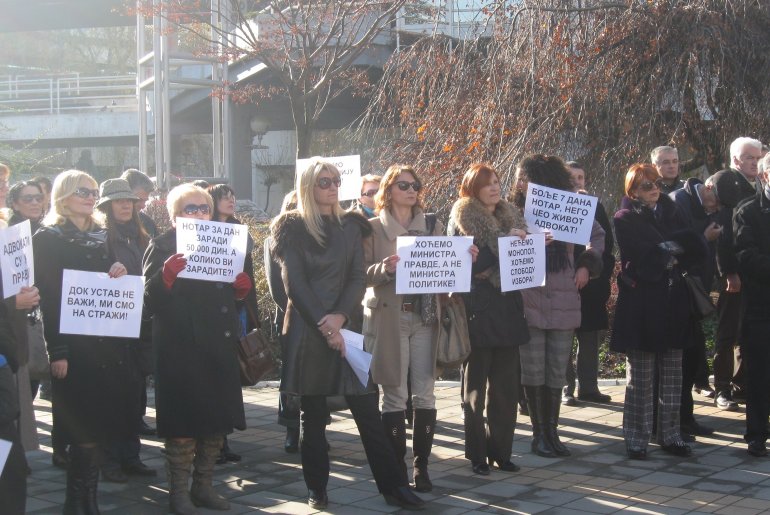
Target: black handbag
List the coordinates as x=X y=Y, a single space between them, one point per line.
x=700 y=302
x=255 y=358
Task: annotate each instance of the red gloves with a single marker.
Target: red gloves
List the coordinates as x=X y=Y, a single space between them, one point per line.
x=242 y=285
x=171 y=268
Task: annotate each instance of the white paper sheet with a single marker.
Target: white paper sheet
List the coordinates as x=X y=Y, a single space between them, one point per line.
x=5 y=450
x=354 y=339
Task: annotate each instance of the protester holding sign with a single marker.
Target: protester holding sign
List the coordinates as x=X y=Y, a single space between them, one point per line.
x=553 y=310
x=94 y=388
x=399 y=330
x=495 y=321
x=652 y=316
x=126 y=241
x=319 y=249
x=195 y=330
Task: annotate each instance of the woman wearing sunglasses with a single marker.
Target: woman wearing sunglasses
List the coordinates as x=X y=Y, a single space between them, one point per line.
x=652 y=317
x=319 y=249
x=399 y=329
x=197 y=384
x=94 y=400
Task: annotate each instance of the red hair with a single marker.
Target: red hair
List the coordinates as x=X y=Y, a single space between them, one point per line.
x=637 y=174
x=477 y=176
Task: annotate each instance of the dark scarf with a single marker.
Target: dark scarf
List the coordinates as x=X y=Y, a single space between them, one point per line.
x=95 y=239
x=16 y=218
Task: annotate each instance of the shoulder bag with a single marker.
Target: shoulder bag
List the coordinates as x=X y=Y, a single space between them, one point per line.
x=700 y=303
x=255 y=358
x=454 y=344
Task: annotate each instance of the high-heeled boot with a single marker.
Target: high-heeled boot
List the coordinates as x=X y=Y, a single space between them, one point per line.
x=553 y=399
x=537 y=415
x=422 y=443
x=395 y=430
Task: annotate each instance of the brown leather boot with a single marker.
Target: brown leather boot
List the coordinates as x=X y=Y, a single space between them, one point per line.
x=202 y=493
x=179 y=459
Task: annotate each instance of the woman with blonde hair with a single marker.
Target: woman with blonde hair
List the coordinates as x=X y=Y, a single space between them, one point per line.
x=318 y=247
x=94 y=399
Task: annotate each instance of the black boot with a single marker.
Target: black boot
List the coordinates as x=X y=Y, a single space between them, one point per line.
x=82 y=481
x=395 y=431
x=553 y=401
x=422 y=443
x=291 y=444
x=537 y=415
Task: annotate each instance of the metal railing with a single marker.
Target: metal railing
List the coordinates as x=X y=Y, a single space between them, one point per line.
x=67 y=94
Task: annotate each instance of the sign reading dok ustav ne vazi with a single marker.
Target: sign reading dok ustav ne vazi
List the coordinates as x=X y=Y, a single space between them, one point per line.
x=433 y=264
x=567 y=216
x=215 y=251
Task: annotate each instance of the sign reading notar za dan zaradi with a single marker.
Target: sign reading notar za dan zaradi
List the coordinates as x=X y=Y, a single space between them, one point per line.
x=567 y=216
x=94 y=304
x=215 y=251
x=16 y=261
x=522 y=262
x=433 y=264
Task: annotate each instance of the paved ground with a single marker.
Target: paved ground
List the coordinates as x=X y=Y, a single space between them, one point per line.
x=720 y=478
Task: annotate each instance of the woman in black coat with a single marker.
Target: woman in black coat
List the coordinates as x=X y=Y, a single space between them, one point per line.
x=652 y=317
x=321 y=255
x=198 y=395
x=94 y=386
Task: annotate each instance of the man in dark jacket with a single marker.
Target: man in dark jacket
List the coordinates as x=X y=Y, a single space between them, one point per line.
x=666 y=160
x=732 y=186
x=751 y=226
x=698 y=205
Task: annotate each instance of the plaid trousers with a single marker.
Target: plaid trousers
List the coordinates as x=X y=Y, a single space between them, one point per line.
x=638 y=407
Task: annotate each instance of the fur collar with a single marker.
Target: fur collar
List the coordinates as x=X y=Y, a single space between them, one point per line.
x=288 y=229
x=472 y=218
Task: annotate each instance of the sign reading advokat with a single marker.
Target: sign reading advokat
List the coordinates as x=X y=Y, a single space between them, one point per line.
x=93 y=303
x=567 y=216
x=522 y=262
x=16 y=261
x=350 y=173
x=215 y=251
x=433 y=264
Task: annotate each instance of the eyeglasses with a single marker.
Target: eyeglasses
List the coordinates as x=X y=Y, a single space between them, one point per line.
x=649 y=185
x=28 y=199
x=404 y=185
x=369 y=193
x=325 y=182
x=86 y=192
x=194 y=209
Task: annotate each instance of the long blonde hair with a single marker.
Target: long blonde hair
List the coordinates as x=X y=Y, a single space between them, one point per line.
x=306 y=204
x=64 y=186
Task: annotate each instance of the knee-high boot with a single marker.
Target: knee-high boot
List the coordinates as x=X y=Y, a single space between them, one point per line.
x=202 y=492
x=422 y=443
x=82 y=481
x=537 y=415
x=395 y=430
x=179 y=459
x=553 y=401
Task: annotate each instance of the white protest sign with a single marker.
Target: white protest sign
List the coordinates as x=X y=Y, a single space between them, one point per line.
x=16 y=259
x=568 y=216
x=350 y=173
x=215 y=251
x=522 y=262
x=5 y=450
x=433 y=264
x=93 y=303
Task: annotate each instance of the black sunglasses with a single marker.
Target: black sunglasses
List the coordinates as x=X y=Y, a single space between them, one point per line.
x=83 y=192
x=28 y=199
x=325 y=182
x=193 y=209
x=369 y=193
x=404 y=185
x=649 y=185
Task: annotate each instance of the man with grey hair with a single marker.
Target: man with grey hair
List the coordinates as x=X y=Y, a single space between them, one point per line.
x=666 y=160
x=732 y=186
x=752 y=250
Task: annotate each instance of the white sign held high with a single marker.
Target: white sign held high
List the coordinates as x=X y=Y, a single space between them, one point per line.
x=522 y=262
x=16 y=262
x=350 y=173
x=215 y=251
x=433 y=264
x=93 y=303
x=567 y=216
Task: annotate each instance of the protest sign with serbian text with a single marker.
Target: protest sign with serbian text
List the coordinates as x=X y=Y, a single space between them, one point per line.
x=433 y=264
x=215 y=251
x=16 y=261
x=350 y=173
x=567 y=216
x=522 y=262
x=93 y=303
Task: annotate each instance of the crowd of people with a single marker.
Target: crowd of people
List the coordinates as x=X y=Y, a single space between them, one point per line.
x=331 y=269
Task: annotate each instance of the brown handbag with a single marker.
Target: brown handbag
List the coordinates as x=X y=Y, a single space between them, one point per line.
x=255 y=358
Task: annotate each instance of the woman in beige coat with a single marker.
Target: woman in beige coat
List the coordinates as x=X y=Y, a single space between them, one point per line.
x=399 y=330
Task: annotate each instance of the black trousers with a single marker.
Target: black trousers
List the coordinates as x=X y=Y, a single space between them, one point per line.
x=125 y=452
x=693 y=358
x=379 y=452
x=727 y=355
x=13 y=481
x=756 y=350
x=491 y=379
